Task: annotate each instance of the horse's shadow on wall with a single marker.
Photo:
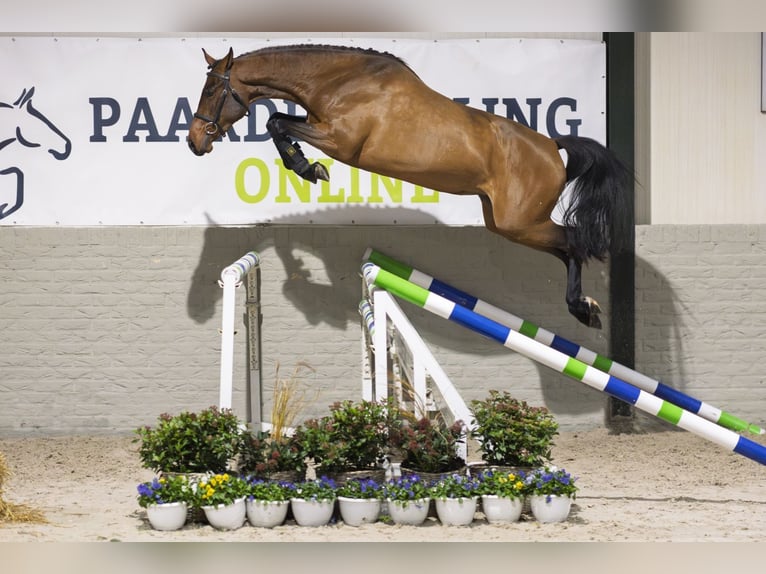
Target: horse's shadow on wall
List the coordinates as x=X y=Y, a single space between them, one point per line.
x=331 y=295
x=332 y=300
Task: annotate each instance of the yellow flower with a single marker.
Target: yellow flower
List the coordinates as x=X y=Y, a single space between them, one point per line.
x=225 y=477
x=519 y=485
x=502 y=480
x=162 y=480
x=511 y=476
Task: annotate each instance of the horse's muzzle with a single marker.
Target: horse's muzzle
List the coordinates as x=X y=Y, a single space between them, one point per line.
x=193 y=148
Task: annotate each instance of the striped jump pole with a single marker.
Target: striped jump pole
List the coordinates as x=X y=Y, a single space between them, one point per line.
x=562 y=363
x=567 y=347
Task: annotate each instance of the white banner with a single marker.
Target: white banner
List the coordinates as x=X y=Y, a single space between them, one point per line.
x=93 y=131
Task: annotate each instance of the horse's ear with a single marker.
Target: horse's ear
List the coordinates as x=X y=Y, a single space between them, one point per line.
x=229 y=58
x=208 y=58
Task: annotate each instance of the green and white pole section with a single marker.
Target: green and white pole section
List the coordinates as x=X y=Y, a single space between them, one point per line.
x=567 y=347
x=562 y=363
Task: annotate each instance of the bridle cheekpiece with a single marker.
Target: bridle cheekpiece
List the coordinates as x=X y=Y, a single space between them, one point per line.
x=213 y=126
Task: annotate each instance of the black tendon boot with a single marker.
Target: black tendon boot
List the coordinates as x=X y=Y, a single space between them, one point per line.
x=293 y=158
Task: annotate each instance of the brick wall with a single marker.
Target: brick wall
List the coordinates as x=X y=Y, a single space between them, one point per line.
x=700 y=302
x=104 y=329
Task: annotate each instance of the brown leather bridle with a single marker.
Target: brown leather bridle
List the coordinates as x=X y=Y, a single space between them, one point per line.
x=213 y=126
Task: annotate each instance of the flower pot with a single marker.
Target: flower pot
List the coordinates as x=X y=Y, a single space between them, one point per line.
x=550 y=508
x=266 y=513
x=358 y=511
x=226 y=516
x=312 y=512
x=168 y=516
x=413 y=512
x=193 y=513
x=500 y=509
x=456 y=511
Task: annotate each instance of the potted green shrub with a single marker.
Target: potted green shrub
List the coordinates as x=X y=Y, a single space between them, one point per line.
x=428 y=447
x=350 y=442
x=512 y=433
x=189 y=442
x=265 y=456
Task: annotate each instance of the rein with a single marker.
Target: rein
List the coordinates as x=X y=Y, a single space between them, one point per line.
x=213 y=126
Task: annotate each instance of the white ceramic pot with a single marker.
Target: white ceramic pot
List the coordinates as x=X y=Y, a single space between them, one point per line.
x=167 y=516
x=226 y=516
x=358 y=511
x=413 y=512
x=500 y=509
x=312 y=512
x=266 y=513
x=553 y=508
x=456 y=511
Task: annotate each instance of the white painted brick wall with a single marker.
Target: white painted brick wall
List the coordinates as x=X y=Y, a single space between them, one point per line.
x=701 y=312
x=104 y=329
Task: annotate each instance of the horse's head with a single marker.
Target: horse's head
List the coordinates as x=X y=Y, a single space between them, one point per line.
x=39 y=133
x=219 y=106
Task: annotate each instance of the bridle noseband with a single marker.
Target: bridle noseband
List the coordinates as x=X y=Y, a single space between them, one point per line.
x=213 y=127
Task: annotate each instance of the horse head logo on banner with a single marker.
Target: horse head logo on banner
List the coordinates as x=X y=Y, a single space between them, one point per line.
x=22 y=123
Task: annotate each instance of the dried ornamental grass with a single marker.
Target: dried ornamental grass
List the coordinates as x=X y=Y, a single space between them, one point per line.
x=10 y=512
x=289 y=400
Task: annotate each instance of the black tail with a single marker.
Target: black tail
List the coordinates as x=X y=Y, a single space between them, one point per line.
x=595 y=217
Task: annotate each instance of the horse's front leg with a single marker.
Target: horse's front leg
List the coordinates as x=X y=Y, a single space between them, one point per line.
x=585 y=308
x=279 y=126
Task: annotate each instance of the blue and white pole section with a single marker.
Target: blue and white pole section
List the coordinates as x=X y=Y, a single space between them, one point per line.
x=567 y=347
x=562 y=363
x=368 y=317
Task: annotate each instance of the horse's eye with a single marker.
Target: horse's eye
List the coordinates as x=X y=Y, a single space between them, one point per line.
x=209 y=93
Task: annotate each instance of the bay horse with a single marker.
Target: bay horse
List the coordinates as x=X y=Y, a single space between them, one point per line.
x=370 y=110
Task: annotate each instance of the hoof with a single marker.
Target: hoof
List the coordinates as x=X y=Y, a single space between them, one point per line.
x=592 y=304
x=320 y=172
x=586 y=311
x=314 y=172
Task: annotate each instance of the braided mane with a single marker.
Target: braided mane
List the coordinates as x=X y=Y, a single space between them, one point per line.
x=326 y=48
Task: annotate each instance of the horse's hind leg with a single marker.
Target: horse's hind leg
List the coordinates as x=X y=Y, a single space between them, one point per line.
x=551 y=239
x=584 y=308
x=278 y=126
